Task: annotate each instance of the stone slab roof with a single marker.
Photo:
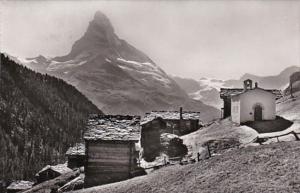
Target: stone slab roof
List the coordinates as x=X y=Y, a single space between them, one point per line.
x=20 y=185
x=77 y=149
x=113 y=127
x=170 y=115
x=60 y=168
x=229 y=92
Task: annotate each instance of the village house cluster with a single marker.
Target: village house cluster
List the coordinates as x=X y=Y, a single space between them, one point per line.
x=114 y=146
x=113 y=143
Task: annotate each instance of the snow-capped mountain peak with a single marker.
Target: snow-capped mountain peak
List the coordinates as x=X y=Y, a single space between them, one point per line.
x=116 y=76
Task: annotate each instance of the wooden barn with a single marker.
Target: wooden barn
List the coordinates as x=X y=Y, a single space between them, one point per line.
x=227 y=94
x=158 y=122
x=19 y=186
x=51 y=172
x=76 y=156
x=111 y=152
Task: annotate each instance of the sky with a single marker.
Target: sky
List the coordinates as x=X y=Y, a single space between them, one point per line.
x=193 y=39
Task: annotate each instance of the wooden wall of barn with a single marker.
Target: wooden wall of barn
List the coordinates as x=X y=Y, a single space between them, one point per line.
x=109 y=161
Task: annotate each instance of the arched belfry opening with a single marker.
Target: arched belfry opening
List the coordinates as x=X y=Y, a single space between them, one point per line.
x=247 y=84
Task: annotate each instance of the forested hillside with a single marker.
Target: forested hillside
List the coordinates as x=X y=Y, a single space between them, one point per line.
x=40 y=117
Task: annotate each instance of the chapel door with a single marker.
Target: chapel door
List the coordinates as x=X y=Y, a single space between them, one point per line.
x=258 y=113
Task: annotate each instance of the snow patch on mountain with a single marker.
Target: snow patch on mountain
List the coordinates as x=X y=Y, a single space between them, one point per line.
x=145 y=68
x=196 y=95
x=26 y=61
x=209 y=91
x=138 y=64
x=210 y=83
x=107 y=60
x=19 y=60
x=141 y=65
x=55 y=65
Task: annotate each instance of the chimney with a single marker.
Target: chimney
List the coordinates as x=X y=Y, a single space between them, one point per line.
x=180 y=113
x=256 y=84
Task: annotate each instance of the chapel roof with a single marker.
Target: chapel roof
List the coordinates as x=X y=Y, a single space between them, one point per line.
x=229 y=92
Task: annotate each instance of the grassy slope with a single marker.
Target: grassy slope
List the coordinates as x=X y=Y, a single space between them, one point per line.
x=269 y=168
